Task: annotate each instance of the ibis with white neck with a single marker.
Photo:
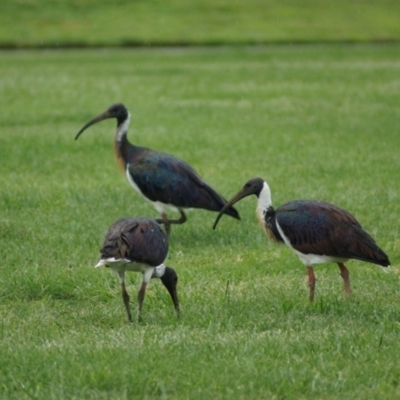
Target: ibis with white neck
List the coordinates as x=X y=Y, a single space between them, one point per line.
x=317 y=232
x=140 y=245
x=164 y=180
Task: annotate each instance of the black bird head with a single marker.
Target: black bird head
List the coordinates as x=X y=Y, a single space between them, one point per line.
x=118 y=111
x=170 y=281
x=253 y=186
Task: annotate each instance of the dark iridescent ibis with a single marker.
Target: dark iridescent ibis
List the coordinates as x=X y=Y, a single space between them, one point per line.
x=164 y=180
x=316 y=231
x=140 y=245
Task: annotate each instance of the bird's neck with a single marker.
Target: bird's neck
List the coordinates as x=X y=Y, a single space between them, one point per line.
x=266 y=213
x=121 y=143
x=159 y=271
x=122 y=129
x=264 y=202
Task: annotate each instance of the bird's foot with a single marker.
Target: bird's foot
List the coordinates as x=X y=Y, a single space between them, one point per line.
x=166 y=222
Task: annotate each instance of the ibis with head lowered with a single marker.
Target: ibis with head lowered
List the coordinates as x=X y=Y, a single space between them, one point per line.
x=140 y=245
x=317 y=232
x=164 y=180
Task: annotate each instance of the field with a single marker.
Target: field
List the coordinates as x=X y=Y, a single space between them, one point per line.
x=315 y=121
x=61 y=23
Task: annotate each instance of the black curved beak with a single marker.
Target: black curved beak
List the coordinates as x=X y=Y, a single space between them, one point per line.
x=174 y=296
x=238 y=196
x=95 y=120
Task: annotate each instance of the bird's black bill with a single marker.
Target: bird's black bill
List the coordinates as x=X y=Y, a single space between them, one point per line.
x=93 y=121
x=238 y=196
x=170 y=280
x=174 y=297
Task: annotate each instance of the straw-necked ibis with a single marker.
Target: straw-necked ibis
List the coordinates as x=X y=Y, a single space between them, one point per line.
x=140 y=245
x=318 y=232
x=164 y=180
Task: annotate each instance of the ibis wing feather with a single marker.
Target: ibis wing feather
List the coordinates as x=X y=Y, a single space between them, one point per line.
x=140 y=239
x=320 y=228
x=150 y=243
x=162 y=177
x=115 y=242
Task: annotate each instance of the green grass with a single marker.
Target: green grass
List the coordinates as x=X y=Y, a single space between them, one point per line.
x=315 y=122
x=61 y=23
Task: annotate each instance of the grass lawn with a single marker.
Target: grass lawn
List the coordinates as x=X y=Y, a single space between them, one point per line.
x=41 y=23
x=314 y=121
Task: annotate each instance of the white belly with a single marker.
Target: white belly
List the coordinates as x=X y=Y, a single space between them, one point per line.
x=122 y=264
x=311 y=259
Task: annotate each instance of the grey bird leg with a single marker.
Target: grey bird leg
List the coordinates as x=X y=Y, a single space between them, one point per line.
x=141 y=295
x=164 y=220
x=344 y=273
x=125 y=298
x=167 y=222
x=311 y=282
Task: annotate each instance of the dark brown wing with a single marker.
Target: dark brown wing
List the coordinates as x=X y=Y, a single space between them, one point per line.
x=137 y=239
x=320 y=228
x=162 y=177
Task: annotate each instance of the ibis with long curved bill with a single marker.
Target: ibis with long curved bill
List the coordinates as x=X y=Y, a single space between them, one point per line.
x=139 y=245
x=164 y=180
x=316 y=231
